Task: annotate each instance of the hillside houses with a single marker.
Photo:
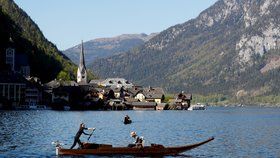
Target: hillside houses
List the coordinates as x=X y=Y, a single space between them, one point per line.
x=93 y=96
x=18 y=90
x=57 y=94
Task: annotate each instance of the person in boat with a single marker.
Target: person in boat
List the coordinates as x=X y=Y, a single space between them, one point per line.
x=138 y=141
x=127 y=119
x=78 y=135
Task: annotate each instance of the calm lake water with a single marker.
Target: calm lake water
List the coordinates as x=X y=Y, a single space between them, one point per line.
x=238 y=132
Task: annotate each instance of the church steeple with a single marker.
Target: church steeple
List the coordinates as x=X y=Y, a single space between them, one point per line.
x=82 y=72
x=82 y=58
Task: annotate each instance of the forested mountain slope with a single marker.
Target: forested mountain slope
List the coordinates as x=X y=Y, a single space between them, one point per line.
x=45 y=60
x=230 y=48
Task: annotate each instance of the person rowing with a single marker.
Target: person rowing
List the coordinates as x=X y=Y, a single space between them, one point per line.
x=127 y=120
x=78 y=135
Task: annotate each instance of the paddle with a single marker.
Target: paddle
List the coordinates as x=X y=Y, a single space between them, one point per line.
x=91 y=132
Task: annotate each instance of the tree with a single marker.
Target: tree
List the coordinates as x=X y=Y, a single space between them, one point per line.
x=64 y=76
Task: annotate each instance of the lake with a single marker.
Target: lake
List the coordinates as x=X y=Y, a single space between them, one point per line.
x=238 y=131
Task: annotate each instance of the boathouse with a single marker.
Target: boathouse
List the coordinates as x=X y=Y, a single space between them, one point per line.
x=143 y=105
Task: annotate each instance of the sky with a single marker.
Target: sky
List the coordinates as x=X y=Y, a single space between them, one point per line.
x=66 y=22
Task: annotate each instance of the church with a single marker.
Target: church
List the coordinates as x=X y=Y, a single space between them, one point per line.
x=82 y=71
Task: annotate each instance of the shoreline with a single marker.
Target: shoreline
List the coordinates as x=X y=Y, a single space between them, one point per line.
x=264 y=105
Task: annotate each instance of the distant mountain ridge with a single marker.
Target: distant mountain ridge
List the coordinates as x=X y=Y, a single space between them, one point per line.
x=230 y=48
x=104 y=47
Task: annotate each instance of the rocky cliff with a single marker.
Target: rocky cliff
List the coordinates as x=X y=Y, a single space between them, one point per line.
x=230 y=48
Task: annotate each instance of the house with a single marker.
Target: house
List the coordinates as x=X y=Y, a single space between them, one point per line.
x=118 y=92
x=33 y=92
x=65 y=96
x=129 y=101
x=115 y=104
x=143 y=105
x=133 y=91
x=19 y=92
x=12 y=89
x=61 y=93
x=140 y=96
x=184 y=99
x=150 y=95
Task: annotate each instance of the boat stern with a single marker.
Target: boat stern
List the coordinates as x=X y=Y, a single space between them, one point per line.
x=58 y=146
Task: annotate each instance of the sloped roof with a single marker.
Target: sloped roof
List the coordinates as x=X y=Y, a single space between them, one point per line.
x=158 y=90
x=153 y=93
x=184 y=96
x=130 y=100
x=116 y=82
x=56 y=83
x=134 y=90
x=95 y=81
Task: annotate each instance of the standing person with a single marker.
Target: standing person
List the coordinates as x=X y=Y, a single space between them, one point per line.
x=78 y=135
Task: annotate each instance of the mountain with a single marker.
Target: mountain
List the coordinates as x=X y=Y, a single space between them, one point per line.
x=231 y=48
x=19 y=31
x=105 y=47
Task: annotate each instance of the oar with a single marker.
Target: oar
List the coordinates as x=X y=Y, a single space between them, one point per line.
x=91 y=132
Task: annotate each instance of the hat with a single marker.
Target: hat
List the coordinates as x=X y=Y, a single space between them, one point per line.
x=133 y=133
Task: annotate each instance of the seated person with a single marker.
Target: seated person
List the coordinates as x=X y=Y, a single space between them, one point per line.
x=138 y=141
x=127 y=119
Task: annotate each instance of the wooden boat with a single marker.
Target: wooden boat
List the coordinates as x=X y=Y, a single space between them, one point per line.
x=153 y=150
x=127 y=122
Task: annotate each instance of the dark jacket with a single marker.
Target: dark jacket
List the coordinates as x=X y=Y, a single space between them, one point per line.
x=138 y=140
x=80 y=132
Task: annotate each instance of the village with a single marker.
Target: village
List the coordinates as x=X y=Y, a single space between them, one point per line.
x=19 y=91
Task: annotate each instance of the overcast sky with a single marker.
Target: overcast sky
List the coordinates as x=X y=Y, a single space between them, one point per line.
x=67 y=22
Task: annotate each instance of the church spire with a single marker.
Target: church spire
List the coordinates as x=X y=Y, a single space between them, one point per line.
x=82 y=72
x=82 y=58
